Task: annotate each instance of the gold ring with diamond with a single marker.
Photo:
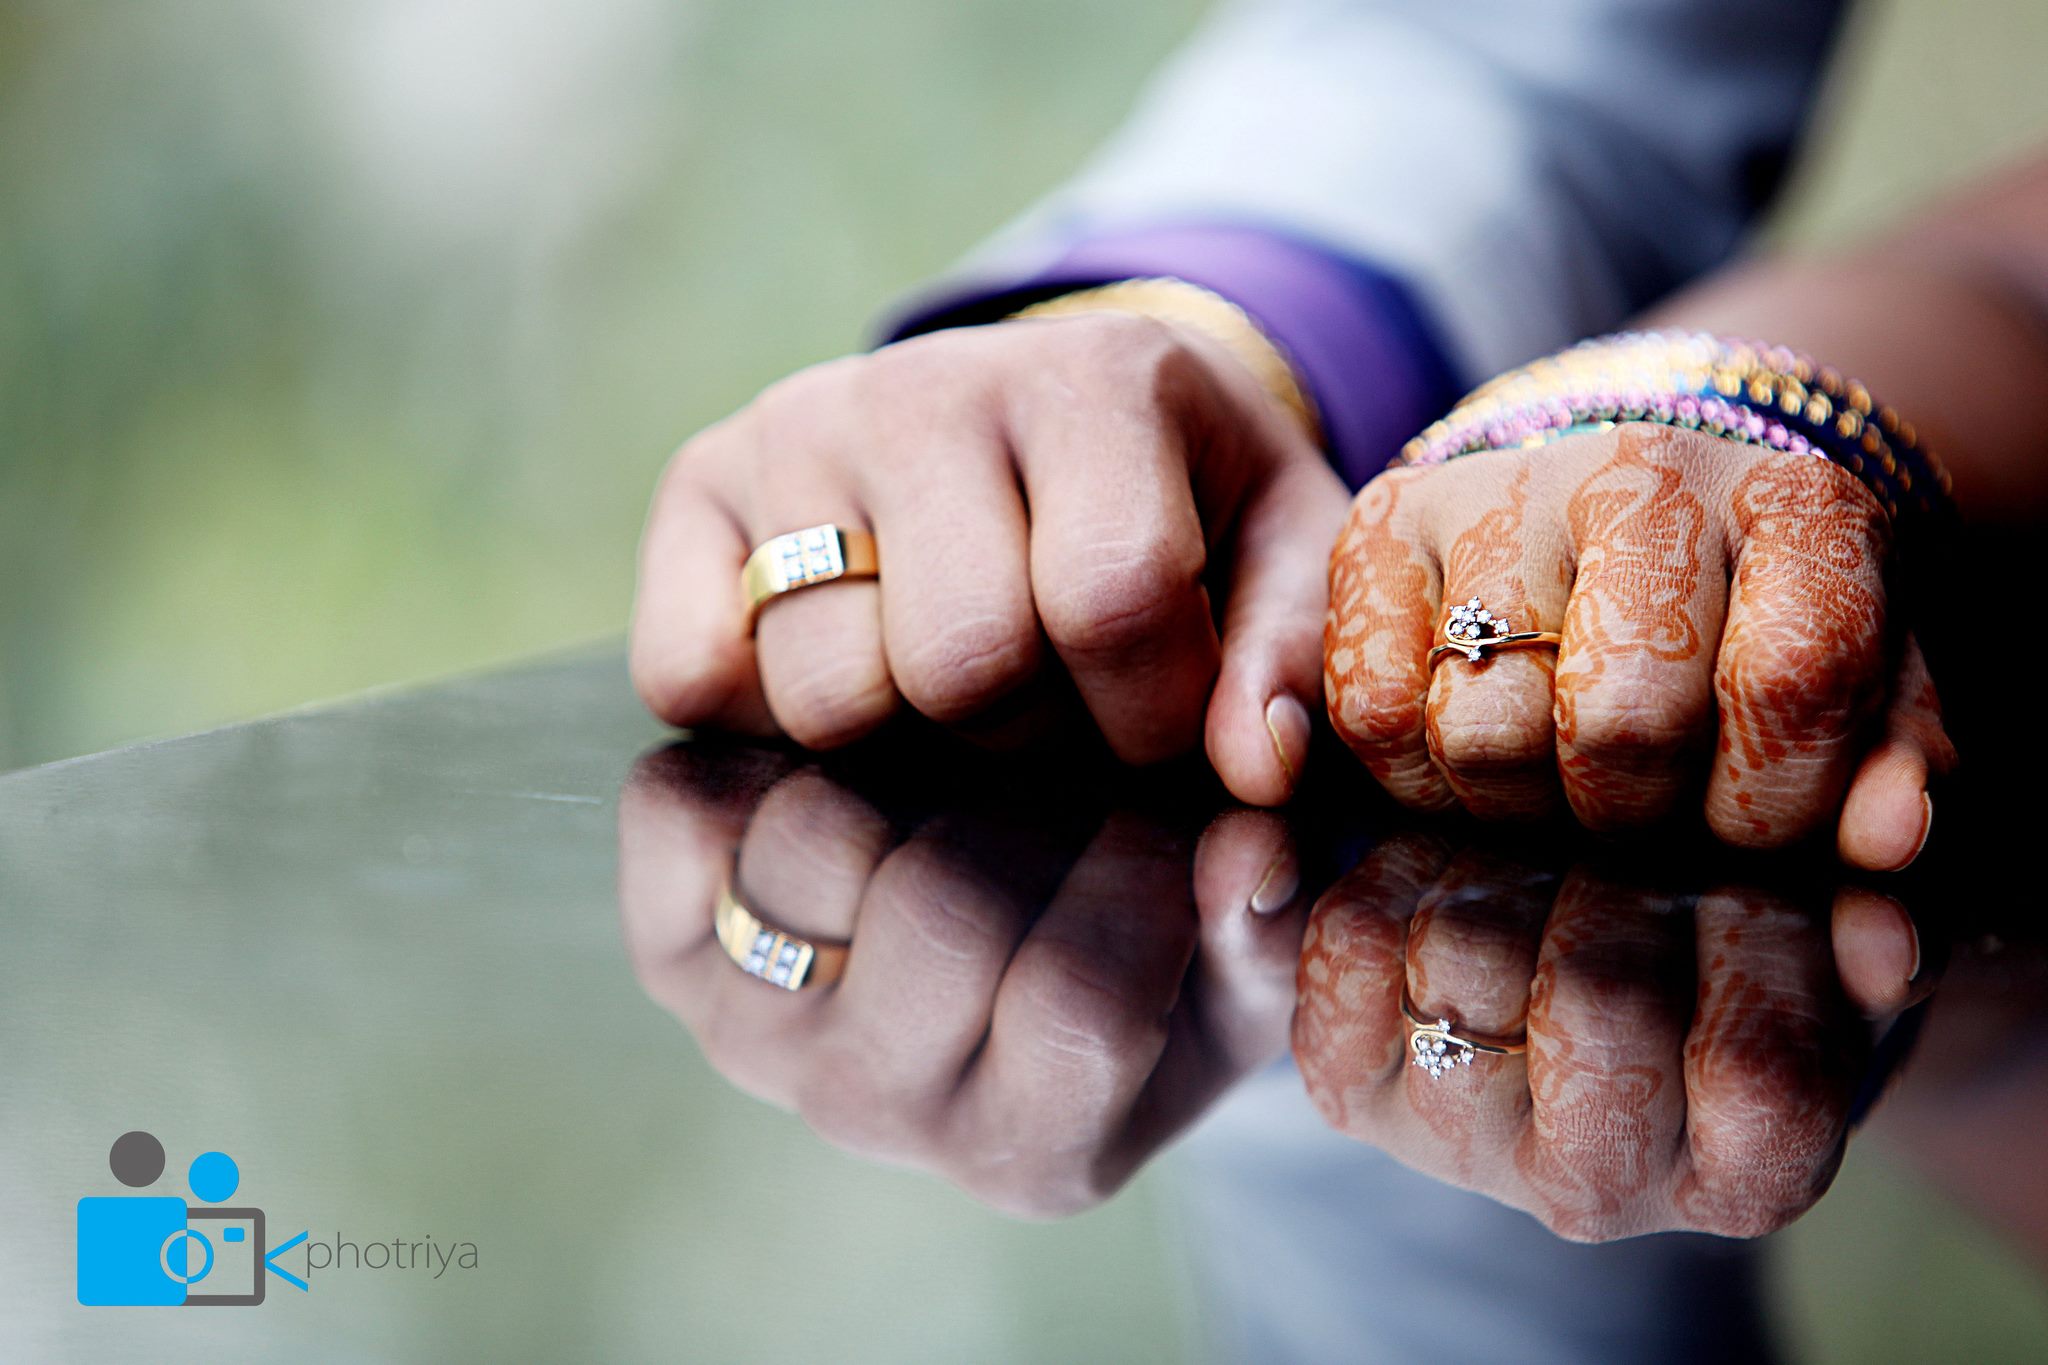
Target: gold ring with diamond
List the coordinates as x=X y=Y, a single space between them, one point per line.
x=773 y=955
x=804 y=559
x=1439 y=1047
x=1475 y=632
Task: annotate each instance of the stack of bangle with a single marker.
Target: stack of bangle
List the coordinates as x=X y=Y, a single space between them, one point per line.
x=1741 y=391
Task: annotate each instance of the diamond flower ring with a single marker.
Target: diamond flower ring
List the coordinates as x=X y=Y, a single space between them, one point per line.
x=1475 y=632
x=1438 y=1047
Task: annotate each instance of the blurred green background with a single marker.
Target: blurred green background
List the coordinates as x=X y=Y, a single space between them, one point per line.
x=340 y=345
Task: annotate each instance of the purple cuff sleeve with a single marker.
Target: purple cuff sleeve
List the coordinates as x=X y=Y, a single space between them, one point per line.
x=1357 y=341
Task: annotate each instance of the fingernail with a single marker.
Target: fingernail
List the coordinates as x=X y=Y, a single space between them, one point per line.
x=1926 y=828
x=1287 y=727
x=1913 y=972
x=1277 y=887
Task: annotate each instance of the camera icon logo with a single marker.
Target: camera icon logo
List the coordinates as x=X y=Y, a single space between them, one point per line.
x=140 y=1250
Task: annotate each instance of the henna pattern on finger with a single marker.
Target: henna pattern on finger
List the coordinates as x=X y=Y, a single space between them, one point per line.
x=1634 y=611
x=1597 y=1156
x=1770 y=1067
x=1348 y=1035
x=1491 y=731
x=1376 y=641
x=1802 y=660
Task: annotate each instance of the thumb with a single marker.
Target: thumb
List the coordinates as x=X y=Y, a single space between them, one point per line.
x=1270 y=682
x=1888 y=813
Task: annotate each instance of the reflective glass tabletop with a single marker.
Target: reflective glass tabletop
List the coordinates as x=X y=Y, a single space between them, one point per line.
x=490 y=1020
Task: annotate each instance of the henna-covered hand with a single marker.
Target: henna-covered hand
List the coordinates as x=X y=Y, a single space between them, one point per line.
x=1691 y=1058
x=1725 y=624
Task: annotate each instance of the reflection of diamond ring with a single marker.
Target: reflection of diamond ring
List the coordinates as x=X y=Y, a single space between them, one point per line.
x=1438 y=1048
x=1475 y=632
x=780 y=959
x=803 y=559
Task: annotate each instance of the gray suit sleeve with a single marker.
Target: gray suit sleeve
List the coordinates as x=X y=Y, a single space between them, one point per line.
x=1533 y=170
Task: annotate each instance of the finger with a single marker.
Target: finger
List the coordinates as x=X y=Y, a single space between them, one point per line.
x=692 y=661
x=808 y=854
x=937 y=924
x=1889 y=811
x=1471 y=956
x=1802 y=655
x=1635 y=673
x=1878 y=954
x=823 y=669
x=1238 y=999
x=1245 y=865
x=1350 y=1039
x=1385 y=594
x=1769 y=1066
x=681 y=814
x=1080 y=1022
x=1258 y=720
x=1489 y=724
x=1117 y=542
x=959 y=628
x=1607 y=1018
x=1250 y=906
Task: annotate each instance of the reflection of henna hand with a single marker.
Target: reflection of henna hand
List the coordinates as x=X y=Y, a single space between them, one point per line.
x=1644 y=1105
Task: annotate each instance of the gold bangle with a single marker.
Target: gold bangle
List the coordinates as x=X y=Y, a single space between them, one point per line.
x=1168 y=300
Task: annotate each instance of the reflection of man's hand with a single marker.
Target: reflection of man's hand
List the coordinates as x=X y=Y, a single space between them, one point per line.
x=1690 y=1061
x=1017 y=1010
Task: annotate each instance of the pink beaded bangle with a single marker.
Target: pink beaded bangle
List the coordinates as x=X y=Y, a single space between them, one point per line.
x=1758 y=395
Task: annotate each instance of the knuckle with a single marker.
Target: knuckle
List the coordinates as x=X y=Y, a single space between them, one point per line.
x=1121 y=595
x=943 y=373
x=1791 y=683
x=957 y=934
x=1588 y=1227
x=1376 y=713
x=833 y=702
x=1768 y=1133
x=1037 y=1194
x=807 y=408
x=1606 y=1002
x=689 y=688
x=971 y=662
x=1078 y=1013
x=1122 y=344
x=1633 y=727
x=1491 y=746
x=846 y=1108
x=1761 y=1219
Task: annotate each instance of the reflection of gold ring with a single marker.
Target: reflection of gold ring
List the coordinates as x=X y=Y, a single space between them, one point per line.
x=804 y=559
x=1475 y=632
x=779 y=958
x=1438 y=1047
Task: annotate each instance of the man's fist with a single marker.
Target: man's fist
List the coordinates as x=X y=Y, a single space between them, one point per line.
x=1103 y=500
